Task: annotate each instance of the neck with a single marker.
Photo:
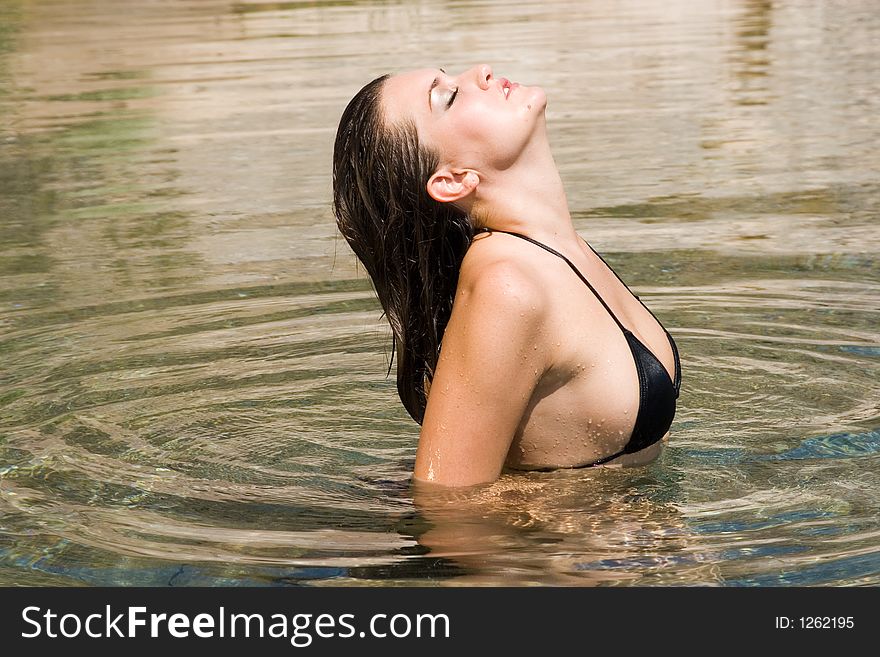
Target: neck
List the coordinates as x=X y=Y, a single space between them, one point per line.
x=526 y=198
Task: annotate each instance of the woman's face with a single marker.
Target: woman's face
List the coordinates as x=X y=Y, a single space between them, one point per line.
x=472 y=121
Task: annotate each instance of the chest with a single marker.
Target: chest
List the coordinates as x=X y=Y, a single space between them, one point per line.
x=587 y=403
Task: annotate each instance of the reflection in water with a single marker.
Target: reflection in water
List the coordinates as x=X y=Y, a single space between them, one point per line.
x=193 y=388
x=750 y=60
x=606 y=526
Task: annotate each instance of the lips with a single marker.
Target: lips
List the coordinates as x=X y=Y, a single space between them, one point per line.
x=507 y=87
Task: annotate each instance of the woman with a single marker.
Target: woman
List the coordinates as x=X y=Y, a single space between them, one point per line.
x=446 y=190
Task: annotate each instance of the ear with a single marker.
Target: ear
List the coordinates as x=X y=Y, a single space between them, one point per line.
x=448 y=185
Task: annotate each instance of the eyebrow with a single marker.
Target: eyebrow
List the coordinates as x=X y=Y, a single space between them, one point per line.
x=431 y=88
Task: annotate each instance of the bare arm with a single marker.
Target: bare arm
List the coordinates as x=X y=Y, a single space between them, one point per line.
x=490 y=362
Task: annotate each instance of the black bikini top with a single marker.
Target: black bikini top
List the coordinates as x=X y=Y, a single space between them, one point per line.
x=657 y=391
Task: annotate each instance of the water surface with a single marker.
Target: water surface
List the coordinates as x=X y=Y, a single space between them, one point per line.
x=193 y=385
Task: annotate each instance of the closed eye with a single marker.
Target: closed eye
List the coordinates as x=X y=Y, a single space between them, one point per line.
x=452 y=98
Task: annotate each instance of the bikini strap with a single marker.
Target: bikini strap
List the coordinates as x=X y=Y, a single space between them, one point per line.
x=624 y=284
x=570 y=264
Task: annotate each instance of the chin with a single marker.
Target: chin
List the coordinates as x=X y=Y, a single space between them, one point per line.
x=537 y=98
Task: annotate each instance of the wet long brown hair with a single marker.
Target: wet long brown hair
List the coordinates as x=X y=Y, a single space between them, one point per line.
x=411 y=245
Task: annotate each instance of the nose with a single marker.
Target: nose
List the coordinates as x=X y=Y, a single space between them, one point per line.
x=484 y=75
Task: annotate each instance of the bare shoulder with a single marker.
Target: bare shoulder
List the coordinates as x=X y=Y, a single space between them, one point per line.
x=496 y=270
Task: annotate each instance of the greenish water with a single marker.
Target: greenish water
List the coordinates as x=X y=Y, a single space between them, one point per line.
x=193 y=390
